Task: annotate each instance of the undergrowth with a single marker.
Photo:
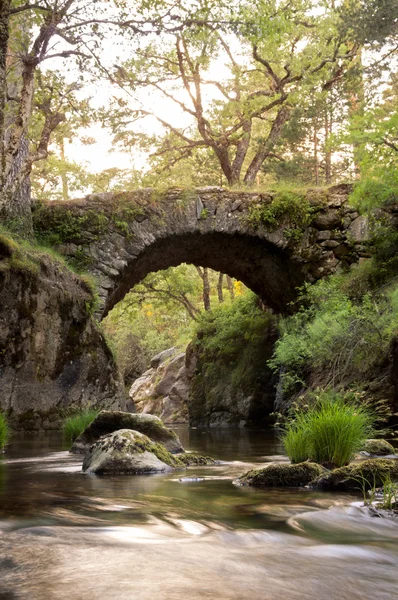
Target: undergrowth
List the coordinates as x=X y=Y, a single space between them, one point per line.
x=343 y=328
x=74 y=425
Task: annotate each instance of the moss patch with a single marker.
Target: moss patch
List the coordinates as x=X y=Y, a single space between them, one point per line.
x=359 y=476
x=192 y=459
x=288 y=207
x=282 y=475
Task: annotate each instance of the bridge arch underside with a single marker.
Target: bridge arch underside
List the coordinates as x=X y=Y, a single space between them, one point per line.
x=272 y=273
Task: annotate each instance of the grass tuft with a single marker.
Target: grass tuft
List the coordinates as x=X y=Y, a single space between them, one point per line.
x=74 y=425
x=4 y=431
x=329 y=433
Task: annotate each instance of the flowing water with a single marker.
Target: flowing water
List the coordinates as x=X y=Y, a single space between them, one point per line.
x=187 y=535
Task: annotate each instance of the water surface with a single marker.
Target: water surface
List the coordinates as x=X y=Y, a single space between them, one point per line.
x=188 y=534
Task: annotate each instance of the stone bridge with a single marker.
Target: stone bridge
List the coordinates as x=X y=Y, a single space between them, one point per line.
x=272 y=242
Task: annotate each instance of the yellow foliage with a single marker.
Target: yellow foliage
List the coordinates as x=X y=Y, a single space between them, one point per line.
x=238 y=288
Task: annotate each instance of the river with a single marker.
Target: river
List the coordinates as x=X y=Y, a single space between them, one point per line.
x=190 y=535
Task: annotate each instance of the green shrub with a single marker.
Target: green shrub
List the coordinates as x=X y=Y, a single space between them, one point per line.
x=4 y=431
x=328 y=433
x=342 y=331
x=74 y=425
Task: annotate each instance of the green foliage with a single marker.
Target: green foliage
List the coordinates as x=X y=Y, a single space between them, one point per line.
x=74 y=425
x=232 y=344
x=55 y=226
x=18 y=255
x=225 y=331
x=375 y=190
x=286 y=207
x=342 y=330
x=156 y=314
x=4 y=431
x=330 y=432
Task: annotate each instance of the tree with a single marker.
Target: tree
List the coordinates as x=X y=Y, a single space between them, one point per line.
x=274 y=53
x=40 y=31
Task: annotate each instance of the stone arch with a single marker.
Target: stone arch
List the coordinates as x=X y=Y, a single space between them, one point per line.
x=120 y=238
x=266 y=269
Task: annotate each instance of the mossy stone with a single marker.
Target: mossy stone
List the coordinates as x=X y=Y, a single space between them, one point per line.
x=358 y=476
x=378 y=447
x=127 y=452
x=108 y=421
x=192 y=459
x=282 y=475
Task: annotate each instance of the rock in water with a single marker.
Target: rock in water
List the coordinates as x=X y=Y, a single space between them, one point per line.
x=109 y=421
x=127 y=452
x=358 y=476
x=378 y=448
x=282 y=475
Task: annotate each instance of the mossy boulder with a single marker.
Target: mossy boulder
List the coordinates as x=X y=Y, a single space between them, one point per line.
x=358 y=476
x=378 y=447
x=192 y=459
x=128 y=452
x=133 y=453
x=282 y=475
x=109 y=421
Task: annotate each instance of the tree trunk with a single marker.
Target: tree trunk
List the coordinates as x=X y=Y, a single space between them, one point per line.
x=316 y=163
x=64 y=178
x=204 y=275
x=328 y=153
x=266 y=149
x=230 y=287
x=219 y=288
x=4 y=34
x=15 y=198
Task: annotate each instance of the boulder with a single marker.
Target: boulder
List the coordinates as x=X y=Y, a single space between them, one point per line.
x=127 y=452
x=109 y=421
x=358 y=476
x=163 y=389
x=282 y=475
x=160 y=358
x=378 y=448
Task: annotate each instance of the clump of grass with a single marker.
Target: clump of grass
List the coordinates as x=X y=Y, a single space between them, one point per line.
x=330 y=432
x=4 y=431
x=74 y=425
x=295 y=439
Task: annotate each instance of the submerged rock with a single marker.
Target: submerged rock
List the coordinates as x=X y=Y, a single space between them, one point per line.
x=359 y=476
x=282 y=475
x=109 y=421
x=127 y=452
x=378 y=447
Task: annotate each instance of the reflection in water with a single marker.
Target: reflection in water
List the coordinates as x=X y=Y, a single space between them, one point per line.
x=189 y=534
